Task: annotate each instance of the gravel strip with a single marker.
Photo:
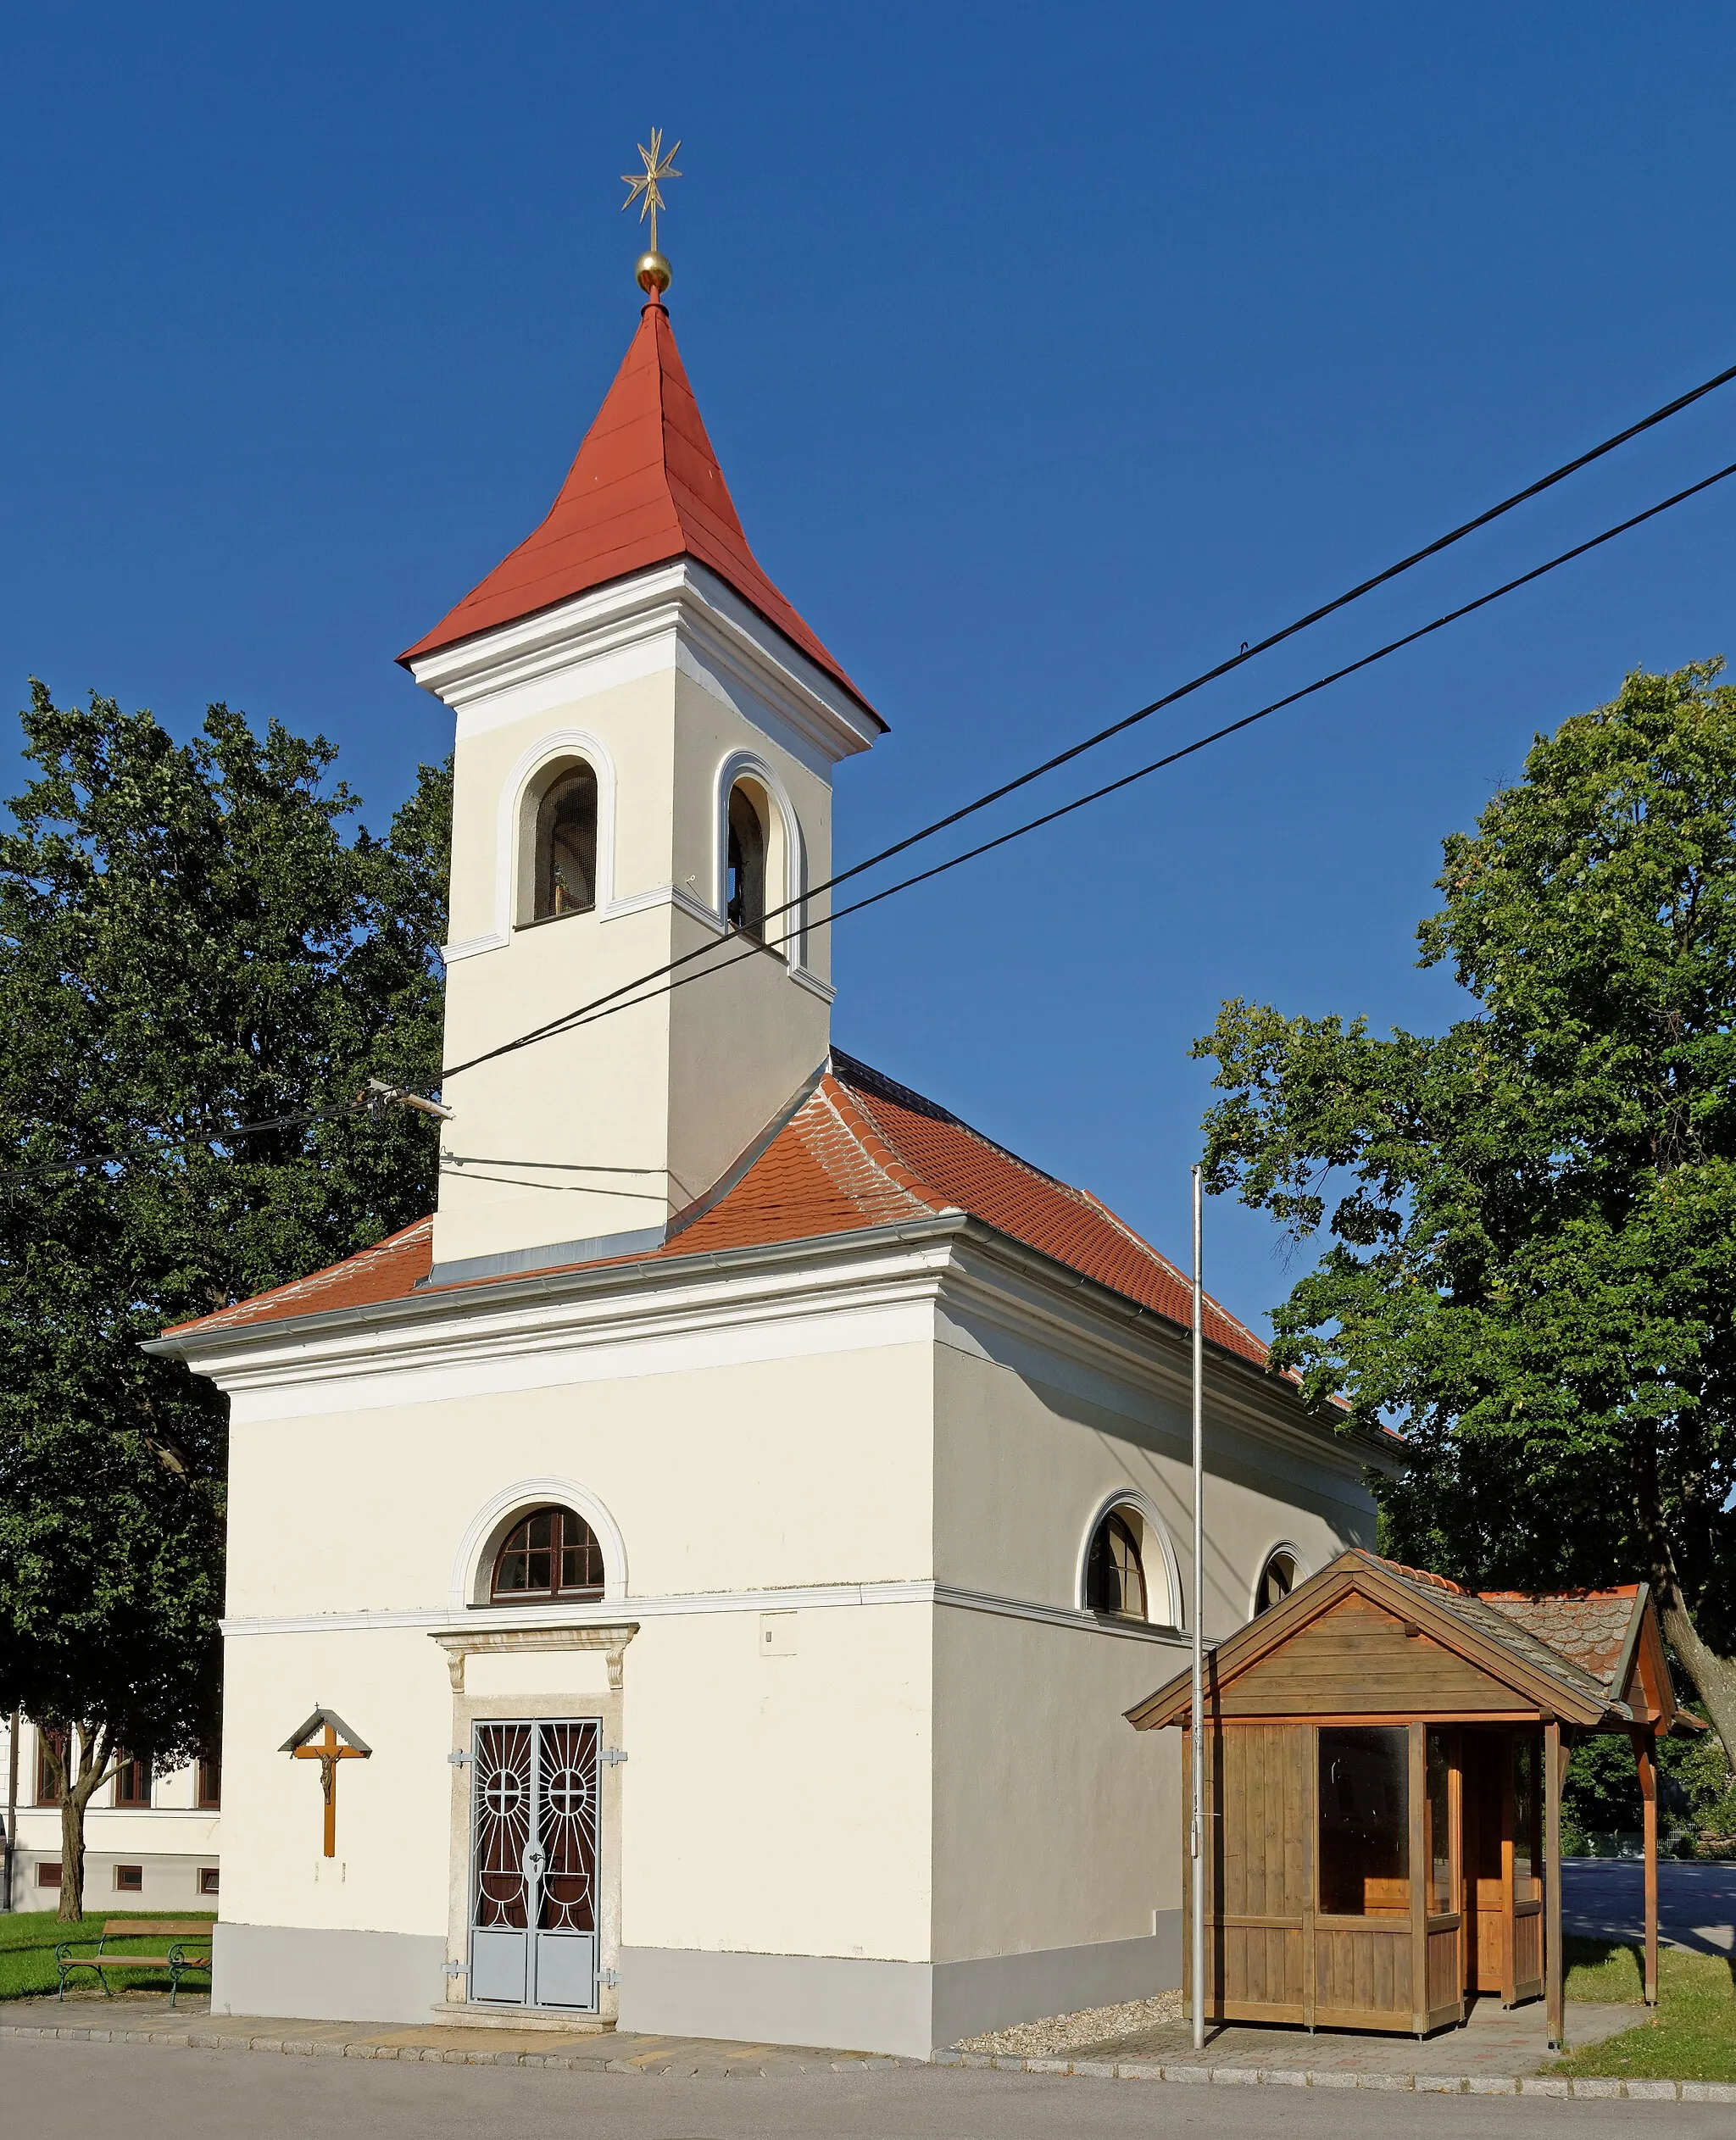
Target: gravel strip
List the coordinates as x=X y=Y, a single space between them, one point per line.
x=1063 y=2032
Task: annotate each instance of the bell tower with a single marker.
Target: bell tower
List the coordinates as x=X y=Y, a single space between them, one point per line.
x=646 y=734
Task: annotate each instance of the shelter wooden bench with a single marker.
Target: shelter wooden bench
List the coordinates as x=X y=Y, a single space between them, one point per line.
x=177 y=1933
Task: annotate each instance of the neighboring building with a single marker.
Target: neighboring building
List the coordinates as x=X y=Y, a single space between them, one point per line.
x=738 y=1411
x=150 y=1840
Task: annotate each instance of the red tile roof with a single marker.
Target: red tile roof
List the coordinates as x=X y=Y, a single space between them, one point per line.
x=645 y=488
x=1590 y=1626
x=860 y=1152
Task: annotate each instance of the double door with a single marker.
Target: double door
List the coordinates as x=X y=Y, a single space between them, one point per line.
x=533 y=1863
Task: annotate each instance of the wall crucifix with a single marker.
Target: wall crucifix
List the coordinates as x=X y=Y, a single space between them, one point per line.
x=327 y=1739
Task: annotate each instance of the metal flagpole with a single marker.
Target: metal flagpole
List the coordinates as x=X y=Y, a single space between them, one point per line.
x=1197 y=1783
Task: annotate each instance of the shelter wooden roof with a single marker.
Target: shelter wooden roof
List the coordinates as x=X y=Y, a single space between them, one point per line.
x=1369 y=1637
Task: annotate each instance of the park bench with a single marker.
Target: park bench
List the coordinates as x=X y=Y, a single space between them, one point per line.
x=176 y=1931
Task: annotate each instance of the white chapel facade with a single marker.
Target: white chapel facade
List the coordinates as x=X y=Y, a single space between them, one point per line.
x=693 y=1580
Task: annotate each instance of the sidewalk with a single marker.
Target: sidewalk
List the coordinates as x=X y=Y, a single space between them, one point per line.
x=1497 y=2054
x=147 y=2019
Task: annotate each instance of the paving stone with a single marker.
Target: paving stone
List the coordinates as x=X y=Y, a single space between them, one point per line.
x=1095 y=2069
x=1709 y=2091
x=1492 y=2084
x=1597 y=2088
x=1128 y=2069
x=1544 y=2084
x=1278 y=2076
x=1195 y=2074
x=1045 y=2065
x=1005 y=2063
x=1234 y=2074
x=1439 y=2084
x=1382 y=2080
x=1653 y=2091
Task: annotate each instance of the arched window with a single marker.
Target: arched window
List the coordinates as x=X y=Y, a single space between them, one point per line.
x=566 y=846
x=1277 y=1579
x=551 y=1553
x=1114 y=1571
x=744 y=873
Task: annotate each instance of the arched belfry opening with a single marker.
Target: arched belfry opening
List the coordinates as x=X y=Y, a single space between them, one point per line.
x=564 y=868
x=745 y=868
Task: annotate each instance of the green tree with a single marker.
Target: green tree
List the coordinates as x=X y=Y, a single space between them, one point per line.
x=193 y=937
x=1530 y=1266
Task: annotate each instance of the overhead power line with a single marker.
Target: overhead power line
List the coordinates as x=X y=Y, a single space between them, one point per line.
x=1157 y=705
x=608 y=1007
x=625 y=999
x=373 y=1096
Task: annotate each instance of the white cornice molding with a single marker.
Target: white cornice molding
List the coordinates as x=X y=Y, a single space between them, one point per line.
x=638 y=624
x=551 y=1620
x=890 y=1286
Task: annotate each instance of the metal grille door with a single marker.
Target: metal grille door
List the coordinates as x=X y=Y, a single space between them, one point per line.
x=533 y=1883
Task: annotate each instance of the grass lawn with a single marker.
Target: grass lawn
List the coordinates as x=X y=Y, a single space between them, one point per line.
x=28 y=1938
x=1693 y=2035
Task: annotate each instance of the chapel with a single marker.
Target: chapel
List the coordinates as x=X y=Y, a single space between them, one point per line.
x=693 y=1580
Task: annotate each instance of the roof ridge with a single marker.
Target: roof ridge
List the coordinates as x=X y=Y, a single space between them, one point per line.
x=858 y=1071
x=885 y=1160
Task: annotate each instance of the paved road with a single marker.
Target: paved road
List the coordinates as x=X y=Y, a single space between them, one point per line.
x=1696 y=1903
x=156 y=2092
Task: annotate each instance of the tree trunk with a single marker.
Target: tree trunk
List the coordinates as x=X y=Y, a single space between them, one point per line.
x=1714 y=1677
x=94 y=1769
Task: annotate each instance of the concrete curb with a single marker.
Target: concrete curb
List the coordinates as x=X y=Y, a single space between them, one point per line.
x=682 y=2063
x=1550 y=2084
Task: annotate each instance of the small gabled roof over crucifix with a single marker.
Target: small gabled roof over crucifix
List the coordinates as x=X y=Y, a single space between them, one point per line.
x=1370 y=1636
x=324 y=1720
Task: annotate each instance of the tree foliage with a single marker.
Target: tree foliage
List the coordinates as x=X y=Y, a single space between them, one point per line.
x=192 y=937
x=1530 y=1218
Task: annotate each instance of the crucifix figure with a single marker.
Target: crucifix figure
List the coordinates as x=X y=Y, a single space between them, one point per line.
x=327 y=1739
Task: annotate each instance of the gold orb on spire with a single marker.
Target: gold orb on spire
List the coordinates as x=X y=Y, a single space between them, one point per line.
x=652 y=274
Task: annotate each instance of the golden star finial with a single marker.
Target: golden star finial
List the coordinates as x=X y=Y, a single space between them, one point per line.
x=646 y=189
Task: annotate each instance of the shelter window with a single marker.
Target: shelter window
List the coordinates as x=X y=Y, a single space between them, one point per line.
x=1365 y=1823
x=553 y=1552
x=1277 y=1579
x=209 y=1788
x=744 y=874
x=566 y=846
x=1439 y=1767
x=1115 y=1572
x=1527 y=1818
x=130 y=1880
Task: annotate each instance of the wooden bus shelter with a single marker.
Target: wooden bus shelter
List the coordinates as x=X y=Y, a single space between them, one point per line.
x=1383 y=1764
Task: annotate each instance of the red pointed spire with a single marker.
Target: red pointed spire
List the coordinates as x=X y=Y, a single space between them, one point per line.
x=645 y=488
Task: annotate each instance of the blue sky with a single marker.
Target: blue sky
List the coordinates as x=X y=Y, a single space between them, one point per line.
x=1050 y=353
